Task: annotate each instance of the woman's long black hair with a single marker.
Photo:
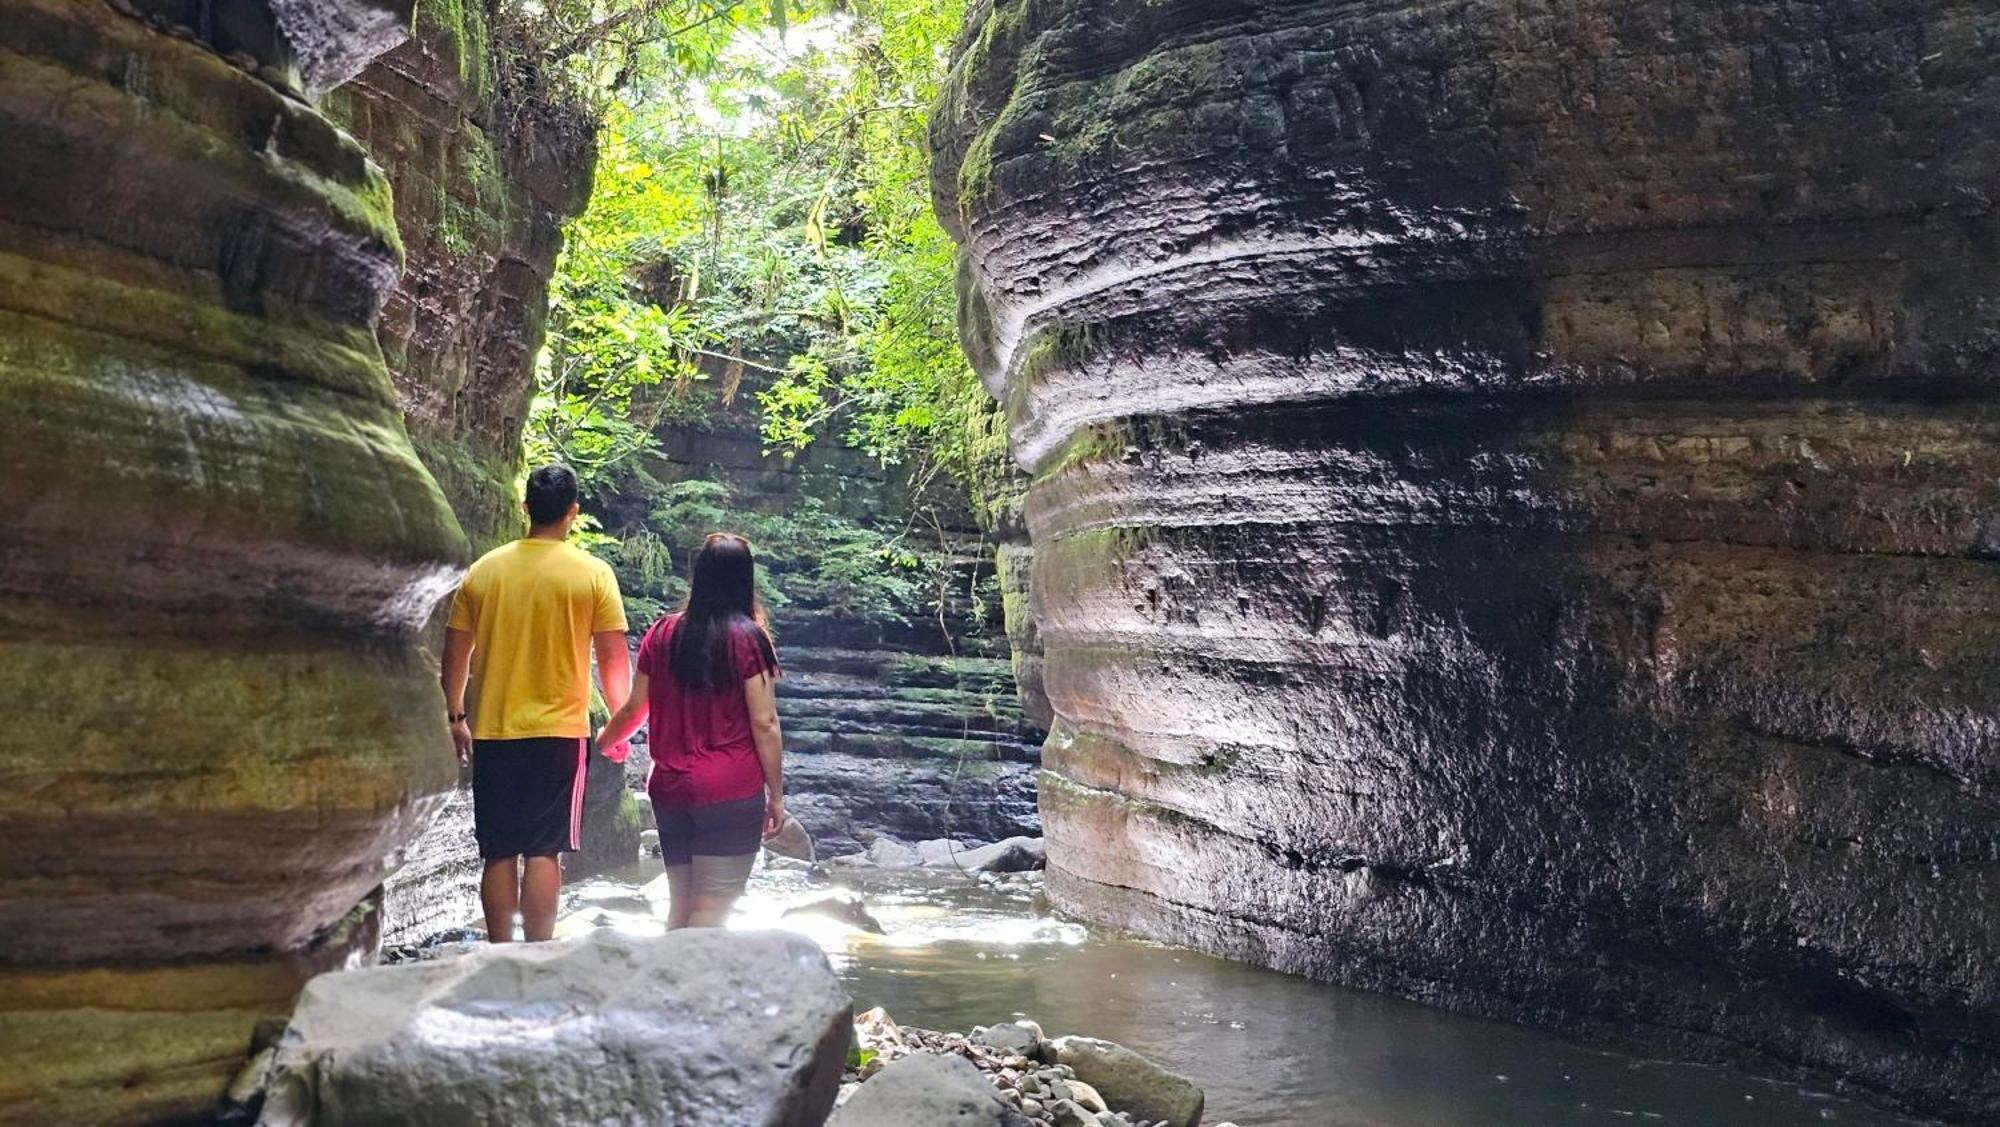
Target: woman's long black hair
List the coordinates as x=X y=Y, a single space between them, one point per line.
x=722 y=599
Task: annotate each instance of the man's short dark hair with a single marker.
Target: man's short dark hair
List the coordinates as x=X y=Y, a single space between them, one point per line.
x=551 y=491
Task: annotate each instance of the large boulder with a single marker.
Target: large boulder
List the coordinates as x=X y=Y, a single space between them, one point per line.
x=1130 y=1082
x=927 y=1090
x=1515 y=497
x=697 y=1027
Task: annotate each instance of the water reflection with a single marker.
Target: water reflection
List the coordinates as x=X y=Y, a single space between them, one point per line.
x=1269 y=1048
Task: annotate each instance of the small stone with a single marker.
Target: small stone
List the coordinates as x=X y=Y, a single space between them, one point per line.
x=1013 y=1037
x=1065 y=1113
x=1085 y=1095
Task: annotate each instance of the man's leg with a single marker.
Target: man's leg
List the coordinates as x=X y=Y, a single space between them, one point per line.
x=500 y=895
x=541 y=890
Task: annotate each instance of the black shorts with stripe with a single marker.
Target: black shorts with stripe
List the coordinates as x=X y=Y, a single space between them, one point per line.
x=527 y=796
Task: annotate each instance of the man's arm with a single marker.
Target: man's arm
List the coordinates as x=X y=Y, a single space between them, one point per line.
x=456 y=669
x=614 y=675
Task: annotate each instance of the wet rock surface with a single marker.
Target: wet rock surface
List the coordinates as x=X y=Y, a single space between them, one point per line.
x=699 y=1026
x=909 y=745
x=1514 y=500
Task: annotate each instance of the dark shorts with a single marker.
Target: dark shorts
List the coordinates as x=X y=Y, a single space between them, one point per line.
x=725 y=829
x=527 y=796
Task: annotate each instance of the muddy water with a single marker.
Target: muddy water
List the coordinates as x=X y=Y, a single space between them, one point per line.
x=1270 y=1049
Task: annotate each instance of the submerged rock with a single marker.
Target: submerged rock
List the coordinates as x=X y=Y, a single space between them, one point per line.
x=1514 y=499
x=695 y=1027
x=850 y=910
x=928 y=1091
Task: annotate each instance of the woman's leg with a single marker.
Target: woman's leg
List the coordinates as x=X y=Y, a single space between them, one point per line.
x=726 y=839
x=677 y=850
x=716 y=882
x=680 y=892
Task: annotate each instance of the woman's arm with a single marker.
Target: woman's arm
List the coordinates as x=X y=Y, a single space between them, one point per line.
x=761 y=694
x=625 y=721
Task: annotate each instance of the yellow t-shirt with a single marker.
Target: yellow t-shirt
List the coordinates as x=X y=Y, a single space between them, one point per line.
x=531 y=607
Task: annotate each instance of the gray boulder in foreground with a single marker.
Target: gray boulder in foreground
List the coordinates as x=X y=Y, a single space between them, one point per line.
x=697 y=1027
x=1131 y=1083
x=927 y=1090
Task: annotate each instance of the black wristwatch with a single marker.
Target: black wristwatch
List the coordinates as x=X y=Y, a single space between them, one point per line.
x=455 y=717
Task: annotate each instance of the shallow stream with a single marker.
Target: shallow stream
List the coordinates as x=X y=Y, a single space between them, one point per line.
x=1269 y=1048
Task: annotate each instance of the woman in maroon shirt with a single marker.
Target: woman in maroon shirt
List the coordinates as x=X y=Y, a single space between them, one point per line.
x=707 y=676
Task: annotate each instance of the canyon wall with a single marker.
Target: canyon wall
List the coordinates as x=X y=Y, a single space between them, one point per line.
x=484 y=175
x=217 y=544
x=1516 y=500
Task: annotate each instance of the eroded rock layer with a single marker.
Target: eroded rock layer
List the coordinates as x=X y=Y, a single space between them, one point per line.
x=1516 y=499
x=216 y=548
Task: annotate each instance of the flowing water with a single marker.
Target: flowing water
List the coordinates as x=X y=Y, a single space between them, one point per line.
x=1269 y=1048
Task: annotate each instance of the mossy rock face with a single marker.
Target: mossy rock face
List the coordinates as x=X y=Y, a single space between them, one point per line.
x=1510 y=479
x=480 y=212
x=219 y=547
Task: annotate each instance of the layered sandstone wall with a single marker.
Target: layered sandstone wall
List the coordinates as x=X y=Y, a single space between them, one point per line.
x=1516 y=500
x=484 y=177
x=217 y=548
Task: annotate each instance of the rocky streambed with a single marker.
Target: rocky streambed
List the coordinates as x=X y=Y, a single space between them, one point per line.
x=940 y=950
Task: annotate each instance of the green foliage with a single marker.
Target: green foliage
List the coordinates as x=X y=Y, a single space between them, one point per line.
x=762 y=226
x=812 y=560
x=763 y=211
x=896 y=377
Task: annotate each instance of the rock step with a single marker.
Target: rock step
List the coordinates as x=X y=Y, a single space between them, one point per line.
x=890 y=667
x=897 y=745
x=891 y=712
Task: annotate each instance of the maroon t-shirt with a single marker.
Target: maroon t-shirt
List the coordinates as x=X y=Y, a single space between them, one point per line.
x=702 y=747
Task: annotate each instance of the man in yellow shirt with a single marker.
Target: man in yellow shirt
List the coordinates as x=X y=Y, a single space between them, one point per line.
x=522 y=627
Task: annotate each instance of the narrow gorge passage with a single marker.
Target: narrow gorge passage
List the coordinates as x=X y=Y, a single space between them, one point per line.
x=1472 y=527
